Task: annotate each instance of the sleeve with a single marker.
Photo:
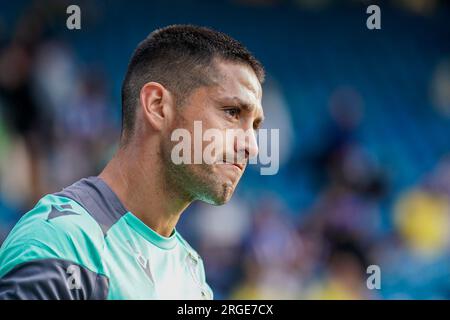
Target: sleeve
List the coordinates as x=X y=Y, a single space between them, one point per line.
x=52 y=279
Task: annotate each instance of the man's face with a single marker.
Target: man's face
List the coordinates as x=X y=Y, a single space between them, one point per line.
x=231 y=106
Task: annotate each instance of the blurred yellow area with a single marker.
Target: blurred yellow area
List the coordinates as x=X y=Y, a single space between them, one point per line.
x=423 y=220
x=333 y=289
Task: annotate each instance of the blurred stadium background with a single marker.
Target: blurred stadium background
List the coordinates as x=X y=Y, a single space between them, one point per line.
x=364 y=141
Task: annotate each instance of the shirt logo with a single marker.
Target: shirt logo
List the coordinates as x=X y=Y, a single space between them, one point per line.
x=66 y=210
x=74 y=280
x=143 y=262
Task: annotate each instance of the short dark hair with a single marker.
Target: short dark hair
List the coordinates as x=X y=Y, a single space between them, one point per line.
x=179 y=57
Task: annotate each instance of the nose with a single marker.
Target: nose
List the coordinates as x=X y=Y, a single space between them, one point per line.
x=247 y=145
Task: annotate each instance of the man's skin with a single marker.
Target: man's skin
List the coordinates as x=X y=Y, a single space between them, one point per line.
x=142 y=173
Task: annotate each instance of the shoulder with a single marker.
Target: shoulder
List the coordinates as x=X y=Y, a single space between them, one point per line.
x=54 y=252
x=57 y=227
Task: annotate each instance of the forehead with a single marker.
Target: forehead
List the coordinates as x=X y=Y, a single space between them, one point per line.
x=236 y=81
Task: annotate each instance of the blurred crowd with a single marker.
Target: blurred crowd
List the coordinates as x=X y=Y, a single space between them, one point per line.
x=310 y=232
x=54 y=109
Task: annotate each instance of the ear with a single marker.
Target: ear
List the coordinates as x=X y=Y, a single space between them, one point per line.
x=156 y=102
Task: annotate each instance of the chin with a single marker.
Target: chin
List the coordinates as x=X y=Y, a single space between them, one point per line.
x=220 y=196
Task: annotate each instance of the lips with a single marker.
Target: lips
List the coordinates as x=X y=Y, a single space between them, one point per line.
x=240 y=166
x=234 y=160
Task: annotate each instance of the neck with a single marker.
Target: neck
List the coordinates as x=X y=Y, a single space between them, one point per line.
x=138 y=179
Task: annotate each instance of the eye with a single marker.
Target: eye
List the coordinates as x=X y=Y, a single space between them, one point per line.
x=233 y=112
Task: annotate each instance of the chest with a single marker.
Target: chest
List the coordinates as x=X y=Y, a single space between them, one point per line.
x=137 y=271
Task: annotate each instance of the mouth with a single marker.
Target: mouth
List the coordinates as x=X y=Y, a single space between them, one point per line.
x=240 y=166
